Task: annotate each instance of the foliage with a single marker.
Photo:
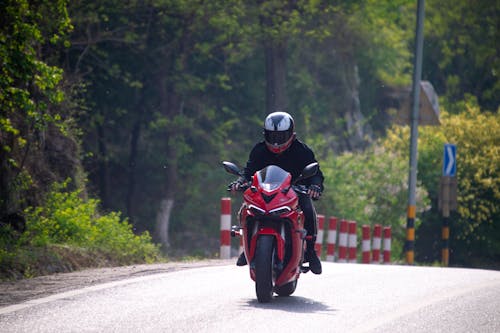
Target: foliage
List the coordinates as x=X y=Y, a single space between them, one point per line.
x=31 y=93
x=69 y=230
x=67 y=219
x=475 y=227
x=461 y=53
x=383 y=32
x=346 y=53
x=370 y=188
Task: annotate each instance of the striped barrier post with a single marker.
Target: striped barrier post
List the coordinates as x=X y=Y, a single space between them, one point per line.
x=343 y=241
x=318 y=246
x=225 y=228
x=377 y=242
x=365 y=245
x=332 y=237
x=352 y=242
x=387 y=245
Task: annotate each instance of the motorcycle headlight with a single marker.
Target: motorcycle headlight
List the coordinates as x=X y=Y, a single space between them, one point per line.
x=256 y=210
x=281 y=210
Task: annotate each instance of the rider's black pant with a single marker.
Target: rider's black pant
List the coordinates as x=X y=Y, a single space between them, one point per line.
x=310 y=223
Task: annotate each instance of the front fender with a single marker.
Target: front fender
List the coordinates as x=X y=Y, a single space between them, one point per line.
x=280 y=242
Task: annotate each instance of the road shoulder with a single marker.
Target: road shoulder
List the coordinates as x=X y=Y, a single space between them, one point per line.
x=14 y=292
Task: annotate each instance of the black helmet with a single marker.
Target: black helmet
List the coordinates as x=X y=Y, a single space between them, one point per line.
x=278 y=131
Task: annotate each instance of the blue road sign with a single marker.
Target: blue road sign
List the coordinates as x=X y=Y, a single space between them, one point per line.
x=450 y=160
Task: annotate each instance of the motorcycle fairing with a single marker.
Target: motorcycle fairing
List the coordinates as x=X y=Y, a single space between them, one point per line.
x=269 y=208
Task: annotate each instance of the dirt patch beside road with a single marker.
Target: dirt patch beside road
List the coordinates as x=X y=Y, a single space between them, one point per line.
x=14 y=292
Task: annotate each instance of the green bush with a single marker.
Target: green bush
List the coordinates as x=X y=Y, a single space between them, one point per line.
x=370 y=187
x=68 y=219
x=69 y=233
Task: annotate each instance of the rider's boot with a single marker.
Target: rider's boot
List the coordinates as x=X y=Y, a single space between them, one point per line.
x=312 y=257
x=242 y=260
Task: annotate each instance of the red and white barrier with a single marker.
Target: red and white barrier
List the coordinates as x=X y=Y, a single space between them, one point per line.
x=352 y=242
x=377 y=241
x=332 y=238
x=343 y=241
x=365 y=244
x=387 y=245
x=318 y=246
x=225 y=228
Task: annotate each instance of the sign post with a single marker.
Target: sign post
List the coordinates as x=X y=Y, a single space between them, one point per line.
x=412 y=178
x=448 y=196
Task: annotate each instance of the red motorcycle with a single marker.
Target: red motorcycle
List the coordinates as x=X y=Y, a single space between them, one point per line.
x=272 y=226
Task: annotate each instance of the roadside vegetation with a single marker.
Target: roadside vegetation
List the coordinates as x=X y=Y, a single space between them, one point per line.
x=377 y=178
x=68 y=233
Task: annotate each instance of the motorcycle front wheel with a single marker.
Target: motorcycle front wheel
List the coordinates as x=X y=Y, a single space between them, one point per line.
x=264 y=263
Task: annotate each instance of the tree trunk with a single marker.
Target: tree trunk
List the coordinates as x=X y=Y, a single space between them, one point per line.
x=163 y=221
x=134 y=140
x=103 y=167
x=4 y=178
x=170 y=106
x=134 y=143
x=168 y=201
x=356 y=126
x=275 y=52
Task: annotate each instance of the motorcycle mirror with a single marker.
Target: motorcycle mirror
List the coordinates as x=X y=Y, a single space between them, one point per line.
x=231 y=168
x=309 y=171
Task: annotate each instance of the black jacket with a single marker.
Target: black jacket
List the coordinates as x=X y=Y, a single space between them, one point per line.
x=293 y=160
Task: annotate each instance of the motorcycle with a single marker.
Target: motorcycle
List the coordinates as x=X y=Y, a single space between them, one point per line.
x=271 y=225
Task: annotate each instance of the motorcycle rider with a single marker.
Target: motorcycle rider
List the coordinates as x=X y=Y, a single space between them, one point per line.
x=281 y=147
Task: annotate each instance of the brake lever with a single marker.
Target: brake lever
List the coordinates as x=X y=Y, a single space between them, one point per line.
x=300 y=188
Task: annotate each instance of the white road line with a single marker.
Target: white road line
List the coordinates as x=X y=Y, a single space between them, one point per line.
x=72 y=293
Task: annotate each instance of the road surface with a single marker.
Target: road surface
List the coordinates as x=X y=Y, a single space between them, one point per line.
x=345 y=298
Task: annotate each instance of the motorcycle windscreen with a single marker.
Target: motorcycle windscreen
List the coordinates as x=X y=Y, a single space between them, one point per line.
x=271 y=177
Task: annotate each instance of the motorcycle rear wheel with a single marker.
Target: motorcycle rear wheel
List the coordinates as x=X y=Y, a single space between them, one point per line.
x=286 y=289
x=264 y=263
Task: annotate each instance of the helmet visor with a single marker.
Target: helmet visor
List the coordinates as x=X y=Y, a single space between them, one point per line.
x=277 y=137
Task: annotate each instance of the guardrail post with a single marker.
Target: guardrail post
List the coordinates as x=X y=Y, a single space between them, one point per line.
x=352 y=242
x=343 y=241
x=387 y=245
x=332 y=238
x=377 y=242
x=225 y=228
x=318 y=246
x=365 y=245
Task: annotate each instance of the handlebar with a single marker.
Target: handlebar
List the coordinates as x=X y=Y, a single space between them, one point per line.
x=300 y=188
x=297 y=188
x=241 y=188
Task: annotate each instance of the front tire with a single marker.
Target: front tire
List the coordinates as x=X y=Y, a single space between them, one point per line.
x=264 y=262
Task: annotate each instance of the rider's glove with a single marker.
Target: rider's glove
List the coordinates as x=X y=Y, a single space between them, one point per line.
x=314 y=191
x=237 y=185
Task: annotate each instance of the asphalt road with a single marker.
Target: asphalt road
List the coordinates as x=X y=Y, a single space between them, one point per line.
x=345 y=298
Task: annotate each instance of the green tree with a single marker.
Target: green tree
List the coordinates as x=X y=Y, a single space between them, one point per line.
x=156 y=72
x=34 y=122
x=339 y=65
x=461 y=54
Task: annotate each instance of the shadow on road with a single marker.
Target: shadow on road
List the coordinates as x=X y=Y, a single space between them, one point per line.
x=291 y=304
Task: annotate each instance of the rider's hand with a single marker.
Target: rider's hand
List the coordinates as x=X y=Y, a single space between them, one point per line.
x=237 y=185
x=314 y=191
